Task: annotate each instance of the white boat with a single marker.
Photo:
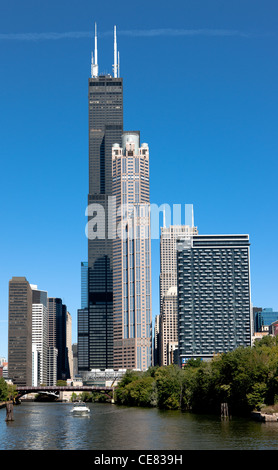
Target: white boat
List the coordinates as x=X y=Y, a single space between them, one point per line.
x=80 y=408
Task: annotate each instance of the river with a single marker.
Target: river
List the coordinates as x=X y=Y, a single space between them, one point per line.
x=51 y=426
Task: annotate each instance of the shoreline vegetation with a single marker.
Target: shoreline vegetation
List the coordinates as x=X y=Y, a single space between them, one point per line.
x=245 y=380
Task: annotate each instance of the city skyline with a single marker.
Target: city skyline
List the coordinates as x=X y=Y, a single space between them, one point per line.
x=206 y=105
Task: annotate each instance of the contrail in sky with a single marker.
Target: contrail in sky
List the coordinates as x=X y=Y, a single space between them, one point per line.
x=132 y=33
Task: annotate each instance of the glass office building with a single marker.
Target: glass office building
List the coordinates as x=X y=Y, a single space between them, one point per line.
x=84 y=284
x=105 y=106
x=57 y=323
x=105 y=129
x=264 y=317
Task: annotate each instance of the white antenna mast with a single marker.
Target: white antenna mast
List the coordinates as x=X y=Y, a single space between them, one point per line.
x=94 y=64
x=96 y=45
x=115 y=65
x=118 y=64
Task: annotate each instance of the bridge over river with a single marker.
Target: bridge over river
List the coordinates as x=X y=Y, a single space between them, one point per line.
x=55 y=390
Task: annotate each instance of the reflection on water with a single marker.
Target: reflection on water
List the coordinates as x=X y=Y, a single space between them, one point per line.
x=53 y=426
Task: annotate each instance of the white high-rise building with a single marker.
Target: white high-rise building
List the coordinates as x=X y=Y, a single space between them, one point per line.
x=2 y=360
x=35 y=365
x=69 y=343
x=168 y=255
x=39 y=335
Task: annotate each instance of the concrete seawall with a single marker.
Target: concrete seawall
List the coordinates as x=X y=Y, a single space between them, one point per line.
x=3 y=403
x=265 y=417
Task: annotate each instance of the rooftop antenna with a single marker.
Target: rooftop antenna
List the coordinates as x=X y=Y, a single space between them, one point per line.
x=115 y=65
x=94 y=64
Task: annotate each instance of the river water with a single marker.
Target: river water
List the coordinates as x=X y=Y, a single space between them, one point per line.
x=51 y=426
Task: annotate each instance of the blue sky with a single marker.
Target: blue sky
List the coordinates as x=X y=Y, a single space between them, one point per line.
x=200 y=83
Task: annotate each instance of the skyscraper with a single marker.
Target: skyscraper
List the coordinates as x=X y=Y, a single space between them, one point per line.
x=82 y=353
x=20 y=331
x=84 y=284
x=57 y=314
x=105 y=128
x=40 y=333
x=69 y=356
x=214 y=305
x=168 y=255
x=168 y=326
x=263 y=317
x=168 y=318
x=132 y=254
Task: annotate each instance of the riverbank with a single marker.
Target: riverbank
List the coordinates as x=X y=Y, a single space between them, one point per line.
x=3 y=403
x=243 y=380
x=265 y=417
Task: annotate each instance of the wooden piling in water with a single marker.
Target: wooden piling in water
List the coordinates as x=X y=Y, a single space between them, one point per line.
x=9 y=411
x=224 y=411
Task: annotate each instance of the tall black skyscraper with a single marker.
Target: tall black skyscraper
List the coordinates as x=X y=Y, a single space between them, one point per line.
x=57 y=331
x=105 y=97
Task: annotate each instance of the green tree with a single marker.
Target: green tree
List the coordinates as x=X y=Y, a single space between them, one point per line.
x=203 y=389
x=257 y=396
x=3 y=389
x=73 y=396
x=86 y=396
x=61 y=383
x=188 y=379
x=12 y=392
x=141 y=392
x=122 y=393
x=169 y=383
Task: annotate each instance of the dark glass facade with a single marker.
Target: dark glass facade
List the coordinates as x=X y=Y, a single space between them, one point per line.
x=264 y=317
x=105 y=129
x=39 y=297
x=257 y=319
x=57 y=314
x=83 y=342
x=84 y=284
